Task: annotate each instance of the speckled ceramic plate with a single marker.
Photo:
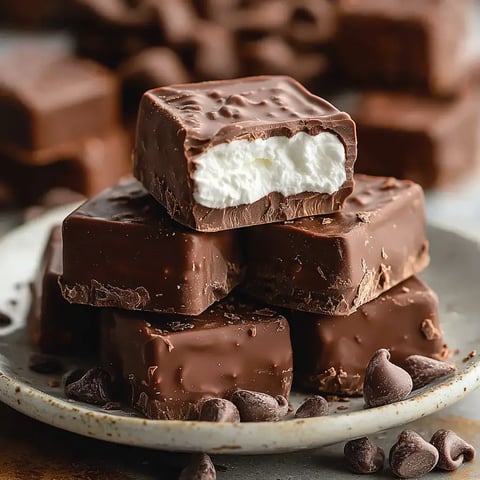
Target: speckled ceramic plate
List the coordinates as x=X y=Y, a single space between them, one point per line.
x=453 y=273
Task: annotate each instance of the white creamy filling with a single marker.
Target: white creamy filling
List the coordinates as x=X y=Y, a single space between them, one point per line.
x=242 y=172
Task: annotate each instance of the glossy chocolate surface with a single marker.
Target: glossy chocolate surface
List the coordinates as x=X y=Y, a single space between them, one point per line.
x=54 y=325
x=167 y=363
x=334 y=264
x=332 y=353
x=177 y=124
x=121 y=249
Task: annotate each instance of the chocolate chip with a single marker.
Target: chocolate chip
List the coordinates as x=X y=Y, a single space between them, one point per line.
x=425 y=370
x=259 y=407
x=412 y=456
x=46 y=364
x=94 y=387
x=315 y=406
x=385 y=382
x=363 y=456
x=200 y=468
x=5 y=320
x=452 y=449
x=218 y=410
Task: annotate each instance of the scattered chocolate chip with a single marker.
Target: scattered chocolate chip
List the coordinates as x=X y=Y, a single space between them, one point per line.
x=452 y=449
x=53 y=383
x=112 y=406
x=363 y=456
x=315 y=406
x=13 y=302
x=259 y=407
x=342 y=407
x=412 y=456
x=469 y=356
x=94 y=387
x=425 y=370
x=5 y=320
x=200 y=468
x=385 y=382
x=364 y=216
x=46 y=364
x=218 y=410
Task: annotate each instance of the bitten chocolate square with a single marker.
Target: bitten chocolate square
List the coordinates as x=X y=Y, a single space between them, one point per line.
x=334 y=264
x=332 y=353
x=228 y=154
x=121 y=249
x=168 y=363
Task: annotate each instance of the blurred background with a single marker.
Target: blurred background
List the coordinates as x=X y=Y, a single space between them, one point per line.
x=72 y=73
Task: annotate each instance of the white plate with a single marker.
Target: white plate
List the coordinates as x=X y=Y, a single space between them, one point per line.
x=453 y=274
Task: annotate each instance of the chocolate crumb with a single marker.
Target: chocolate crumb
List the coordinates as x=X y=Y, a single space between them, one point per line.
x=199 y=468
x=363 y=456
x=452 y=449
x=364 y=216
x=252 y=331
x=94 y=387
x=5 y=320
x=265 y=312
x=429 y=330
x=13 y=302
x=112 y=406
x=342 y=407
x=385 y=256
x=327 y=221
x=53 y=383
x=45 y=364
x=469 y=356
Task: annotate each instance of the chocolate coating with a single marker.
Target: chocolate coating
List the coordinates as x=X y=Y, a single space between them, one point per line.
x=54 y=325
x=133 y=256
x=335 y=264
x=177 y=124
x=168 y=363
x=332 y=353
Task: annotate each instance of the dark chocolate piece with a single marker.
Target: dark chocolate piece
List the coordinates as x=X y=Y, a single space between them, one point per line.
x=180 y=126
x=334 y=264
x=133 y=256
x=45 y=364
x=363 y=456
x=425 y=370
x=412 y=456
x=315 y=406
x=54 y=325
x=259 y=406
x=430 y=141
x=94 y=387
x=218 y=410
x=403 y=44
x=169 y=363
x=49 y=100
x=453 y=450
x=200 y=468
x=385 y=382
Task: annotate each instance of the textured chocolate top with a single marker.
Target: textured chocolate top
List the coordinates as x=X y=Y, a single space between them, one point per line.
x=217 y=112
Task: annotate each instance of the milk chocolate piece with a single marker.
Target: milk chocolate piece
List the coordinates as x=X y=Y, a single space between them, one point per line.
x=200 y=467
x=363 y=456
x=133 y=256
x=452 y=449
x=334 y=264
x=190 y=138
x=332 y=353
x=86 y=167
x=54 y=325
x=259 y=406
x=94 y=387
x=403 y=43
x=425 y=370
x=168 y=363
x=48 y=100
x=430 y=141
x=315 y=406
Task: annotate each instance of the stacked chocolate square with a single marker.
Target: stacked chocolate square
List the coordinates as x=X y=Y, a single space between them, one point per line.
x=245 y=215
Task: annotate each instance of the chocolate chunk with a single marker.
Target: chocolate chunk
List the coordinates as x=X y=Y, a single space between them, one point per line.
x=331 y=353
x=5 y=320
x=94 y=387
x=218 y=410
x=334 y=268
x=385 y=382
x=425 y=370
x=204 y=123
x=200 y=468
x=452 y=449
x=167 y=371
x=259 y=407
x=315 y=406
x=46 y=323
x=45 y=364
x=170 y=269
x=363 y=456
x=412 y=456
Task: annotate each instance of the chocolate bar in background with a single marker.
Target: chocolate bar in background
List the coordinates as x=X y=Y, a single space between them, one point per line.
x=403 y=44
x=135 y=257
x=333 y=264
x=168 y=363
x=332 y=353
x=54 y=325
x=434 y=142
x=297 y=150
x=89 y=167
